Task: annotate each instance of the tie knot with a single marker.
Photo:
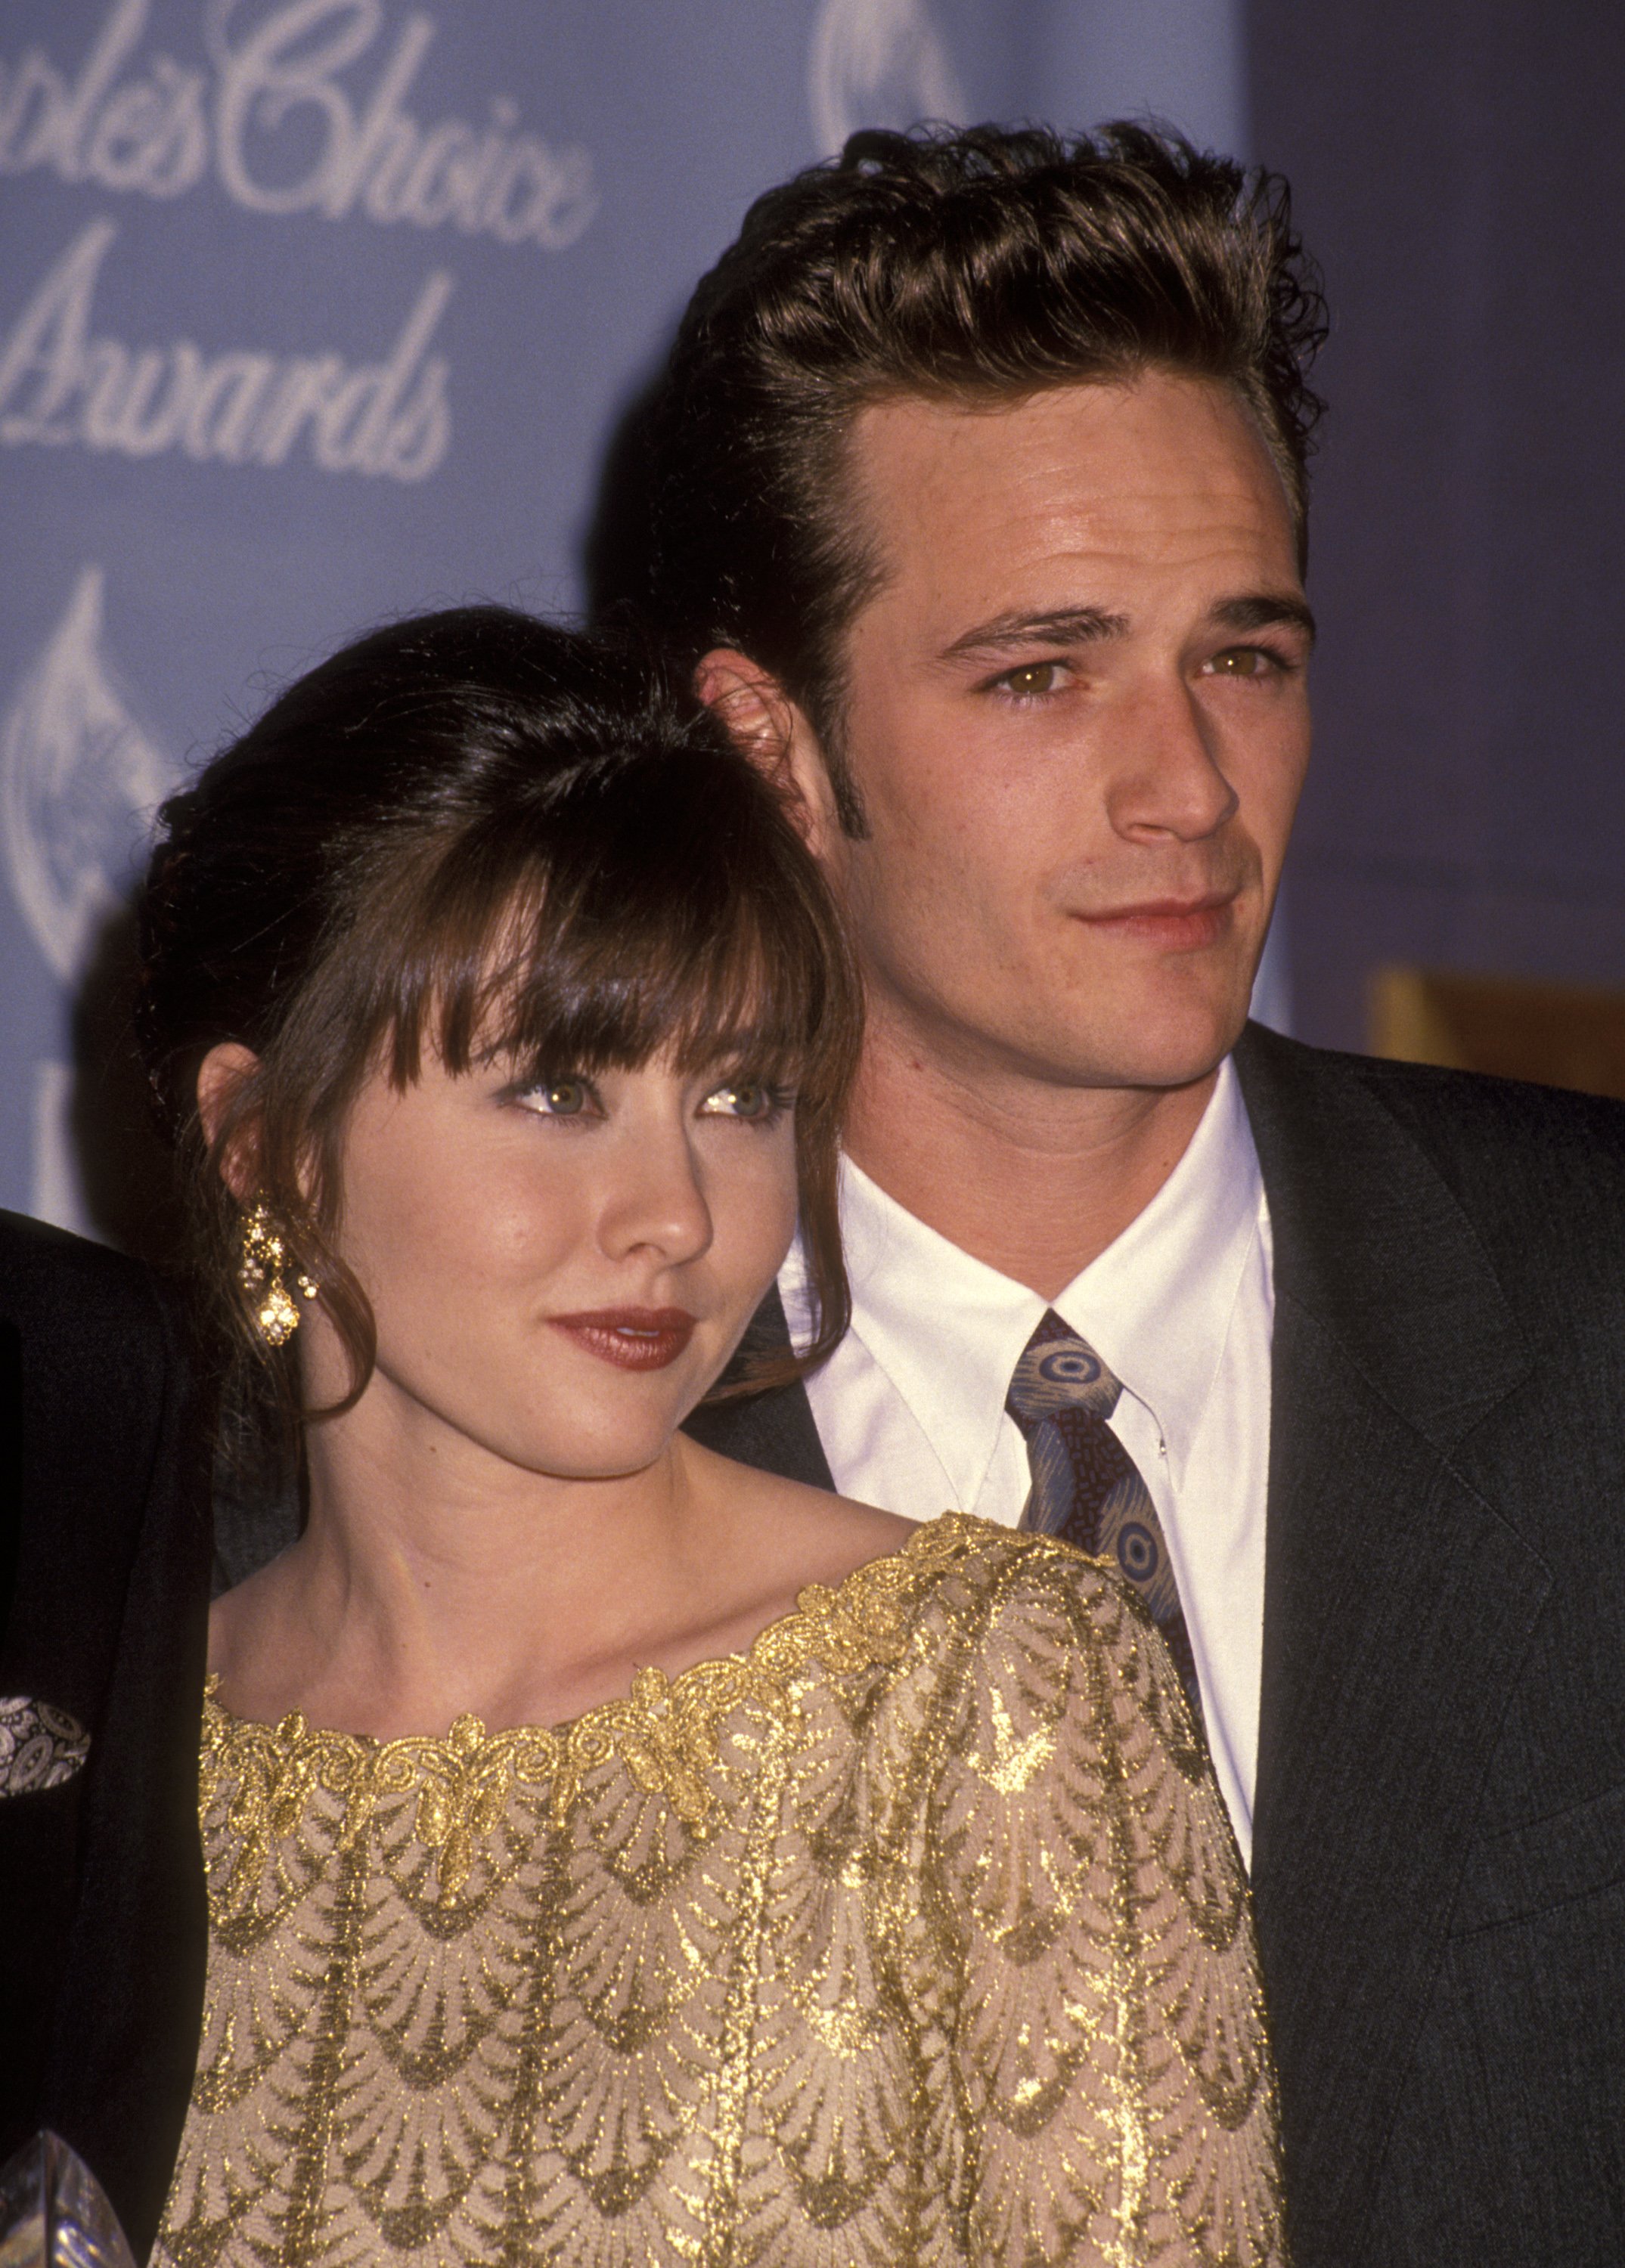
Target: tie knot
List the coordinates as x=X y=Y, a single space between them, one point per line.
x=1059 y=1371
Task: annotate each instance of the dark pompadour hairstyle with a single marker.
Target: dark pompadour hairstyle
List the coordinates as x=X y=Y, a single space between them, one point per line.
x=979 y=264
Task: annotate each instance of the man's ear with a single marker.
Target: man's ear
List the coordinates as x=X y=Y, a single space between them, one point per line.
x=769 y=728
x=220 y=1080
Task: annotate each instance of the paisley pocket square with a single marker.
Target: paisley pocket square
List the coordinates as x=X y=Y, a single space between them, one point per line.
x=40 y=1746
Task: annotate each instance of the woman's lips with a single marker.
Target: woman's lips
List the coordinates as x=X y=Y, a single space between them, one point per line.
x=633 y=1338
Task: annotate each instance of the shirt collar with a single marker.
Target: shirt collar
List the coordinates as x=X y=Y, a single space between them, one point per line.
x=1156 y=1306
x=947 y=1329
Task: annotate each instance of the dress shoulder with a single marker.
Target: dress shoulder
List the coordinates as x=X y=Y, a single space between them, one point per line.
x=1003 y=1592
x=1083 y=1920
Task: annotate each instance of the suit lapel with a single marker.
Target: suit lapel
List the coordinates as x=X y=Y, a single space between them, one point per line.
x=1398 y=1605
x=11 y=1467
x=773 y=1432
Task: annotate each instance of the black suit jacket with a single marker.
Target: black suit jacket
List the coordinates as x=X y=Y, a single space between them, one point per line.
x=104 y=1596
x=1439 y=1829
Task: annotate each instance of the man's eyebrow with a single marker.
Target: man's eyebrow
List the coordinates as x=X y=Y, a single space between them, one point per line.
x=1068 y=626
x=1265 y=610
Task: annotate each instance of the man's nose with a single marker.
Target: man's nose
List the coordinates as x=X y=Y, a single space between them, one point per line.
x=1165 y=781
x=656 y=1201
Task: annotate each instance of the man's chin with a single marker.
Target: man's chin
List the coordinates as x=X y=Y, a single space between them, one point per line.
x=1166 y=1017
x=1158 y=1047
x=1139 y=1028
x=1155 y=1071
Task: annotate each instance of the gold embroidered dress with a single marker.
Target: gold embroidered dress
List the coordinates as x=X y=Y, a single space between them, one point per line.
x=916 y=1936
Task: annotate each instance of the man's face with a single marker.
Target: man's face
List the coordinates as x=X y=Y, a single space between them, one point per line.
x=1077 y=720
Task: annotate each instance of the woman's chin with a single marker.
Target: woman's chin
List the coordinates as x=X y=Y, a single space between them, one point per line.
x=615 y=1449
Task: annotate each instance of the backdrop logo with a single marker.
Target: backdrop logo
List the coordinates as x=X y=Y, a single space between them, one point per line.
x=79 y=781
x=60 y=383
x=278 y=117
x=877 y=62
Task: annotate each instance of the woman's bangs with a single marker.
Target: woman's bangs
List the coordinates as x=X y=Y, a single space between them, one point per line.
x=556 y=989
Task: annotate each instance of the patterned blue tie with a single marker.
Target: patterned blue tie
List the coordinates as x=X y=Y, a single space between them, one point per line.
x=1086 y=1487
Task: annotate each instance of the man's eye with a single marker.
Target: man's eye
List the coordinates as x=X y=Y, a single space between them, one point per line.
x=559 y=1098
x=1243 y=661
x=745 y=1098
x=1033 y=680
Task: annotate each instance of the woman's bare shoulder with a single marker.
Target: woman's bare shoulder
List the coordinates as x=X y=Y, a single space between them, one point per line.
x=812 y=1534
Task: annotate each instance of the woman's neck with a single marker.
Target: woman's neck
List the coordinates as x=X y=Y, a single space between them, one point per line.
x=434 y=1579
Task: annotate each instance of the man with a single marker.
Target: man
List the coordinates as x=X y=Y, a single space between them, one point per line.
x=982 y=513
x=104 y=1600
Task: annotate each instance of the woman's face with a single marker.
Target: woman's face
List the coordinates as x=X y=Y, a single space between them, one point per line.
x=560 y=1268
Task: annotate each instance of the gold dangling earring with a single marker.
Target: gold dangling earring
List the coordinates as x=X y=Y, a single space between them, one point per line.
x=259 y=1271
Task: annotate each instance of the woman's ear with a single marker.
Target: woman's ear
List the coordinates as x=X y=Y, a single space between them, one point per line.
x=220 y=1077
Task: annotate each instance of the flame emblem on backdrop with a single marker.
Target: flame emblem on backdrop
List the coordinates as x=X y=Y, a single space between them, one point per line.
x=877 y=62
x=79 y=780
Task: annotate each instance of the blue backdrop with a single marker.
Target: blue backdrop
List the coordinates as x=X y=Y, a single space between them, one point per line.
x=317 y=311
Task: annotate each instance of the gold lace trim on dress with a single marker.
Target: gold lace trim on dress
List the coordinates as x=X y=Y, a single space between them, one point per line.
x=664 y=1731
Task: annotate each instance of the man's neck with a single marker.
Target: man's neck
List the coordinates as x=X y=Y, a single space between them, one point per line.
x=1032 y=1179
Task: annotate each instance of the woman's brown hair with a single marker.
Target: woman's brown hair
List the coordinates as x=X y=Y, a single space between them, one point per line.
x=480 y=833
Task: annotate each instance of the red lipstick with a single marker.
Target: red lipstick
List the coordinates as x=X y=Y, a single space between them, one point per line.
x=632 y=1338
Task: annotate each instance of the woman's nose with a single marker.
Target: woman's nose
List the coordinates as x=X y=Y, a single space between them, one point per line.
x=657 y=1201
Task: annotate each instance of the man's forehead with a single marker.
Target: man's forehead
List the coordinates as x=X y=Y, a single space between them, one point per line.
x=1148 y=467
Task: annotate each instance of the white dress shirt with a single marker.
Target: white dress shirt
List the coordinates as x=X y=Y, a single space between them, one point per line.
x=910 y=1408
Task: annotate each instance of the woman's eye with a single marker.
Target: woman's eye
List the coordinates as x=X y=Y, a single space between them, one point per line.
x=559 y=1098
x=1033 y=680
x=743 y=1098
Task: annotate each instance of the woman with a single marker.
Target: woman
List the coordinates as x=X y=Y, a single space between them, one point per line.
x=614 y=1854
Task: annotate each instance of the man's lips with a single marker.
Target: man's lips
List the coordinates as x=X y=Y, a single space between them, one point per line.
x=633 y=1338
x=1178 y=924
